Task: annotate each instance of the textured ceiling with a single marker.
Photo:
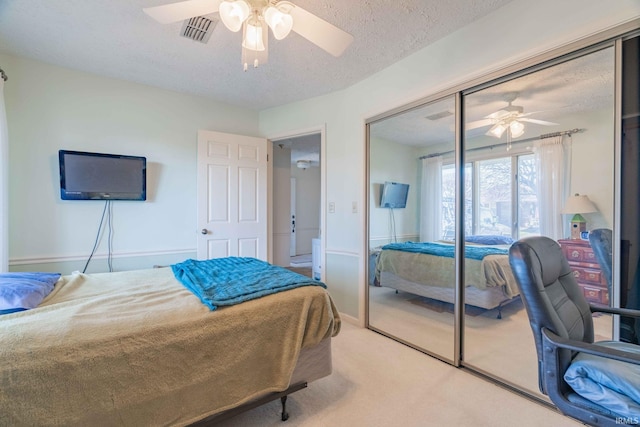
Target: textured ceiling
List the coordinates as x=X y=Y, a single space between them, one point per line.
x=115 y=38
x=566 y=90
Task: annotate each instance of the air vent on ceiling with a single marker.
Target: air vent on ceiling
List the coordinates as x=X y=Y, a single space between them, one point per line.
x=198 y=28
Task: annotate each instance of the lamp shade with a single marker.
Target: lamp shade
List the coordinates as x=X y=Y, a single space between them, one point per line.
x=578 y=204
x=234 y=13
x=254 y=34
x=279 y=22
x=516 y=128
x=497 y=130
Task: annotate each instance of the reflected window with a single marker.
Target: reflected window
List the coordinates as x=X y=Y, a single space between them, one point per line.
x=489 y=201
x=492 y=210
x=528 y=211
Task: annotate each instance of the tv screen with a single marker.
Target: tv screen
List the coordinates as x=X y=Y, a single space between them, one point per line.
x=394 y=195
x=98 y=176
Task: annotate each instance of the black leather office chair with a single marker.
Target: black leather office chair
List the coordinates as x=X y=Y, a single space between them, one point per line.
x=560 y=318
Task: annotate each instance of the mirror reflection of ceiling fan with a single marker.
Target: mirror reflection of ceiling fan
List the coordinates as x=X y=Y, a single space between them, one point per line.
x=254 y=18
x=508 y=119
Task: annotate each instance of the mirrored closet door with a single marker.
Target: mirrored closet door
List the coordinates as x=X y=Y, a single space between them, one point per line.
x=412 y=199
x=539 y=160
x=538 y=153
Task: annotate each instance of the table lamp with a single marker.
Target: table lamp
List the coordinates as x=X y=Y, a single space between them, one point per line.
x=577 y=205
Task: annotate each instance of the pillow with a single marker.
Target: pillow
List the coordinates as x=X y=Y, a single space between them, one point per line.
x=609 y=383
x=489 y=240
x=22 y=291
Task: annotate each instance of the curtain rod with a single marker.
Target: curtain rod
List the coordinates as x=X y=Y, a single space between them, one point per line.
x=491 y=147
x=3 y=75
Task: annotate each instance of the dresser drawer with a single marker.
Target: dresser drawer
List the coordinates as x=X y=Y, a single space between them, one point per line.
x=587 y=275
x=579 y=254
x=597 y=295
x=586 y=269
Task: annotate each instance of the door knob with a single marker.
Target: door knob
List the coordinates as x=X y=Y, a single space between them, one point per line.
x=204 y=231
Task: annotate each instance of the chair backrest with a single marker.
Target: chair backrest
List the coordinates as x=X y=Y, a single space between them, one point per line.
x=551 y=295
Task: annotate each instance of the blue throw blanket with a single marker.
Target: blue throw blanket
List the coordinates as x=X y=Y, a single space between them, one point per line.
x=228 y=281
x=439 y=249
x=608 y=383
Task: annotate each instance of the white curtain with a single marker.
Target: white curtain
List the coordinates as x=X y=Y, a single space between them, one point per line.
x=553 y=165
x=4 y=185
x=431 y=199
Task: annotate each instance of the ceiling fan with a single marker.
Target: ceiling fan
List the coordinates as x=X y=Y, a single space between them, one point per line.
x=509 y=119
x=255 y=17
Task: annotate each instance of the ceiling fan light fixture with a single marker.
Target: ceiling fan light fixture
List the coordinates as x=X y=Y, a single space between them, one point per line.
x=253 y=38
x=303 y=164
x=516 y=129
x=279 y=15
x=497 y=130
x=234 y=13
x=280 y=22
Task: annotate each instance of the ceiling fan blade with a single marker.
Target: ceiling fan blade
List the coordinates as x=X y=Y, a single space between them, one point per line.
x=499 y=115
x=319 y=32
x=479 y=124
x=174 y=12
x=538 y=122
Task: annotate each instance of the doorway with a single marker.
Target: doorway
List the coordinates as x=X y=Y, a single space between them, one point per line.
x=297 y=179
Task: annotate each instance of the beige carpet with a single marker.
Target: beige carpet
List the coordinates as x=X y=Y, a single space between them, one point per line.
x=379 y=382
x=442 y=307
x=503 y=348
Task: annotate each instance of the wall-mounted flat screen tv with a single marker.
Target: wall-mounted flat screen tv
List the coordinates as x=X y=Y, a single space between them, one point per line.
x=394 y=195
x=99 y=176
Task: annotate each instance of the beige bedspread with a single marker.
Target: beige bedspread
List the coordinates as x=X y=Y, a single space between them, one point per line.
x=432 y=270
x=137 y=348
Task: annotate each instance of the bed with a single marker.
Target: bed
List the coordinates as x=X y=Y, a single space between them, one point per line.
x=427 y=269
x=138 y=348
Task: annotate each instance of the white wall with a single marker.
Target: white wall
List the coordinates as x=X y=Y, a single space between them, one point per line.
x=592 y=165
x=390 y=161
x=484 y=46
x=51 y=108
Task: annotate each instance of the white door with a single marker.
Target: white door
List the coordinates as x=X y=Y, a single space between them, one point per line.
x=292 y=215
x=232 y=196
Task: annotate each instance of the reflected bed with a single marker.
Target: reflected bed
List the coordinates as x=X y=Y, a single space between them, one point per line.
x=428 y=269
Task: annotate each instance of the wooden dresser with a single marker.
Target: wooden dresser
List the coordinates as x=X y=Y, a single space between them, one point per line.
x=585 y=267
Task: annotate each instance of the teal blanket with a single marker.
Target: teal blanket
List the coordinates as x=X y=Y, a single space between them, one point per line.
x=227 y=281
x=445 y=250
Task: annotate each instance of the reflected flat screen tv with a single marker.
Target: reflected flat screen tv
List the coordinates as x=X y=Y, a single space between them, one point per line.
x=99 y=176
x=394 y=195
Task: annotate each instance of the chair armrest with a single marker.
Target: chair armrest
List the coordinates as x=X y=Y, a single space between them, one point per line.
x=627 y=312
x=554 y=365
x=554 y=340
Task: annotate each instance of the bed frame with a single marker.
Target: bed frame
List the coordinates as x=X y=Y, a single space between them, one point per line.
x=313 y=363
x=490 y=298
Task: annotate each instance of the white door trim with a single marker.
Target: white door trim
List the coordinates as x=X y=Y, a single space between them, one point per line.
x=292 y=218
